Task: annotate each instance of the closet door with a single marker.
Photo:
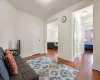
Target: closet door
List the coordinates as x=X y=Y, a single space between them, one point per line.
x=36 y=40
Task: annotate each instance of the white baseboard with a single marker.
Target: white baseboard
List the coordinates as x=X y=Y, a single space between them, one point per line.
x=97 y=67
x=66 y=59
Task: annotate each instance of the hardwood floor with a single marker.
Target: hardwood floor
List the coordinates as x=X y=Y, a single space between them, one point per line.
x=83 y=64
x=52 y=51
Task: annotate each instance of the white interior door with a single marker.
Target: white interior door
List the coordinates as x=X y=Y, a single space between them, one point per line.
x=36 y=40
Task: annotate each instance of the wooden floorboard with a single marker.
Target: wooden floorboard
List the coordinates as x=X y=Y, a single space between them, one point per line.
x=83 y=64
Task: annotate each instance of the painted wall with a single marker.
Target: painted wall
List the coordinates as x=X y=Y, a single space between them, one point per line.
x=7 y=24
x=25 y=32
x=88 y=36
x=88 y=20
x=66 y=30
x=17 y=25
x=96 y=54
x=52 y=32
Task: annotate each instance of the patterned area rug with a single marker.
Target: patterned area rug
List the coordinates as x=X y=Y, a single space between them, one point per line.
x=49 y=70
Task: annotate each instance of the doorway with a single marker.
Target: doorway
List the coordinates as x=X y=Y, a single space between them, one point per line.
x=83 y=31
x=52 y=37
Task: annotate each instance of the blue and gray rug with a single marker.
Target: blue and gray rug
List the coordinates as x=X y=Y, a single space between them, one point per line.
x=49 y=70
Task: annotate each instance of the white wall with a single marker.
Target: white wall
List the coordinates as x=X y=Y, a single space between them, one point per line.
x=96 y=21
x=25 y=30
x=17 y=25
x=52 y=32
x=66 y=30
x=7 y=24
x=88 y=21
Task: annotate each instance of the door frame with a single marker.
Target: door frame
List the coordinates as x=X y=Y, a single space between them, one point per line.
x=76 y=53
x=56 y=19
x=73 y=29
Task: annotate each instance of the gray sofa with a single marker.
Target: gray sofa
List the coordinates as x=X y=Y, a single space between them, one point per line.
x=25 y=71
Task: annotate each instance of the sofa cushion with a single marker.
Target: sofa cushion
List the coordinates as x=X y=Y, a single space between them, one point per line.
x=30 y=75
x=25 y=69
x=1 y=78
x=18 y=77
x=1 y=53
x=11 y=64
x=1 y=50
x=18 y=58
x=22 y=64
x=3 y=71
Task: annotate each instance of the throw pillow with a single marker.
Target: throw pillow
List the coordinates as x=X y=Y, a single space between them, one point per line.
x=11 y=64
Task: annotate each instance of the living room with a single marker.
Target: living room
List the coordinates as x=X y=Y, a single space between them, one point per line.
x=19 y=21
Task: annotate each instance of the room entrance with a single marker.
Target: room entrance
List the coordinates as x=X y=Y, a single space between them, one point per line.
x=83 y=31
x=52 y=37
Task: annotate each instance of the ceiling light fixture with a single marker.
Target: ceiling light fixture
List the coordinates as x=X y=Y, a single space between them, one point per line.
x=84 y=13
x=44 y=1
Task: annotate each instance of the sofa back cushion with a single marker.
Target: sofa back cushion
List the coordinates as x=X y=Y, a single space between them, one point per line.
x=1 y=53
x=1 y=50
x=1 y=78
x=3 y=70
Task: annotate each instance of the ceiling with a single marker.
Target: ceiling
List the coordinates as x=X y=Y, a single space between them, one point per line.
x=43 y=8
